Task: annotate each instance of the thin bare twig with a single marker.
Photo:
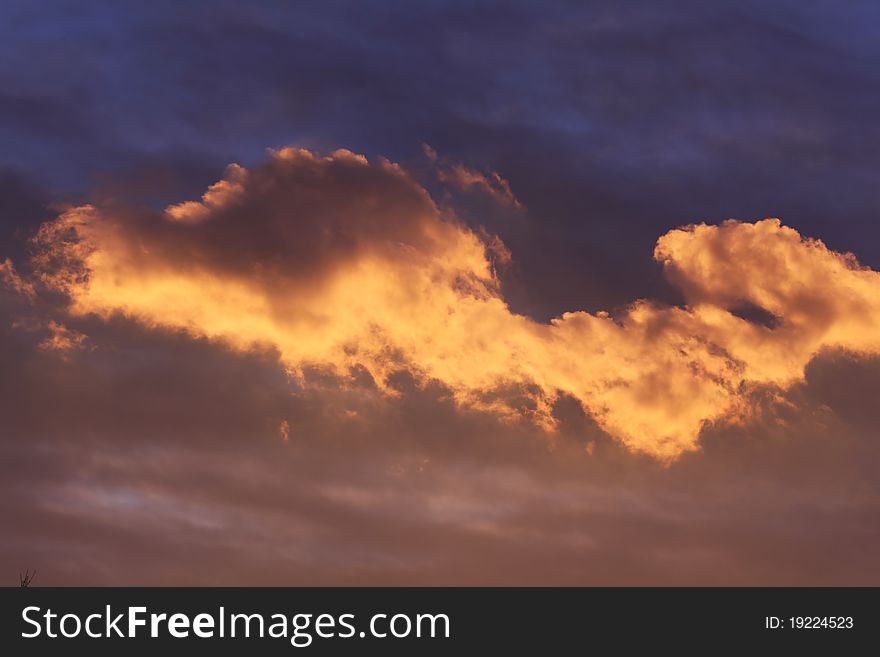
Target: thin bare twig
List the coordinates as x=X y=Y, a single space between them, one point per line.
x=25 y=581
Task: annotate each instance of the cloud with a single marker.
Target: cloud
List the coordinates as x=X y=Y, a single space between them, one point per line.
x=160 y=457
x=818 y=298
x=344 y=265
x=465 y=179
x=158 y=461
x=12 y=280
x=62 y=339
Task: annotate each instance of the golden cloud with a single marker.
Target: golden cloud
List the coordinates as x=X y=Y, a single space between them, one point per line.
x=11 y=280
x=491 y=183
x=339 y=263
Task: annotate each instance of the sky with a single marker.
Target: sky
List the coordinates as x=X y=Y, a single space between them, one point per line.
x=441 y=293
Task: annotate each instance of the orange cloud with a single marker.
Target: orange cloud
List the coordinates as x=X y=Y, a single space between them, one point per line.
x=339 y=263
x=62 y=339
x=12 y=280
x=491 y=183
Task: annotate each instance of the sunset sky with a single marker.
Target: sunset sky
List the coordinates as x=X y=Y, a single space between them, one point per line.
x=443 y=293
